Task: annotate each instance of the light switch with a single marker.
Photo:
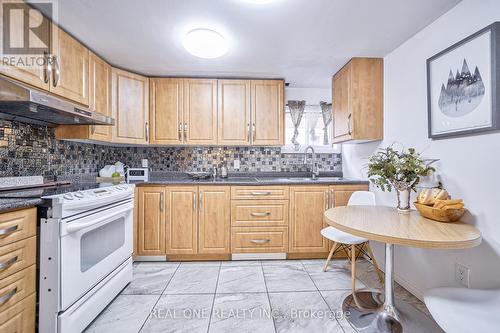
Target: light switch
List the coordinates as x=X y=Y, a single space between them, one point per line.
x=236 y=164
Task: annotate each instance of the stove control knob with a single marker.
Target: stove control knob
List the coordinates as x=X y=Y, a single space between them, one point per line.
x=79 y=195
x=68 y=196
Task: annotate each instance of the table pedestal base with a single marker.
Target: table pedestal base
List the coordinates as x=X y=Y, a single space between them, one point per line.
x=365 y=312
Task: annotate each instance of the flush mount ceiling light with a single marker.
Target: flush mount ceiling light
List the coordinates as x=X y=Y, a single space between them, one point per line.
x=205 y=43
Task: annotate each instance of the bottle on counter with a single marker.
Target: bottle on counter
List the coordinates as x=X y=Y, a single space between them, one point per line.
x=223 y=170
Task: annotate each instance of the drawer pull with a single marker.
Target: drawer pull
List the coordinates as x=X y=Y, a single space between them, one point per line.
x=260 y=214
x=8 y=230
x=261 y=193
x=8 y=263
x=7 y=296
x=260 y=241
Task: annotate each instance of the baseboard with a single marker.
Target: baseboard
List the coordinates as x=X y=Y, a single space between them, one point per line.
x=410 y=287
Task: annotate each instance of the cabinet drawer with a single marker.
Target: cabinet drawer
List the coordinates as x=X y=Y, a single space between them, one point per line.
x=248 y=213
x=17 y=256
x=259 y=239
x=259 y=192
x=20 y=317
x=17 y=225
x=17 y=286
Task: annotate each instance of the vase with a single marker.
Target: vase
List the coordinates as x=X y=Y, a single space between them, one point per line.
x=403 y=200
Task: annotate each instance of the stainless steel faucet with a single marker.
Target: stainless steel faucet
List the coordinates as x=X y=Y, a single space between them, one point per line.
x=314 y=169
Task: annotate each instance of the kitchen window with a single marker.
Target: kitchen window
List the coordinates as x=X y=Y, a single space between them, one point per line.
x=311 y=132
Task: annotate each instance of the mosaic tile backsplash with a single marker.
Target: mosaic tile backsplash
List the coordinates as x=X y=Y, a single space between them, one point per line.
x=27 y=150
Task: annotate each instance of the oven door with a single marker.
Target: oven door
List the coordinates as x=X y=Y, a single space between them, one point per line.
x=92 y=246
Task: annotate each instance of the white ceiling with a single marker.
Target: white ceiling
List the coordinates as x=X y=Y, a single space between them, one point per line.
x=303 y=41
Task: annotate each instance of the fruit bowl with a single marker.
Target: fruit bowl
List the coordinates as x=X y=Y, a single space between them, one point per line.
x=441 y=215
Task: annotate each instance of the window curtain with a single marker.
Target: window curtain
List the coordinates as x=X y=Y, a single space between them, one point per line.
x=296 y=112
x=326 y=112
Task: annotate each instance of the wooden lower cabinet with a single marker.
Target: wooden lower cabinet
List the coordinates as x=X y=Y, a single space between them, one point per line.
x=18 y=278
x=214 y=223
x=307 y=206
x=182 y=219
x=259 y=239
x=151 y=221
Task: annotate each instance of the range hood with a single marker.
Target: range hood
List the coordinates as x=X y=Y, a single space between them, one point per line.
x=21 y=103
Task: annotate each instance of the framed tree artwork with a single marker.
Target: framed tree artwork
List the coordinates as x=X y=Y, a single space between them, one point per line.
x=463 y=86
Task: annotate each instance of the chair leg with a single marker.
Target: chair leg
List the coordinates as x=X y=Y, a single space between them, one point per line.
x=353 y=267
x=375 y=264
x=330 y=256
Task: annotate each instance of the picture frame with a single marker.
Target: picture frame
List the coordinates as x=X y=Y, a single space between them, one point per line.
x=463 y=86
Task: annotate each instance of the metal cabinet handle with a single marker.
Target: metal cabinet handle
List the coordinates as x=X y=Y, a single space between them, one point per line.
x=333 y=199
x=4 y=298
x=260 y=214
x=201 y=201
x=180 y=132
x=260 y=241
x=146 y=126
x=8 y=230
x=57 y=72
x=254 y=130
x=326 y=199
x=162 y=201
x=47 y=69
x=185 y=131
x=194 y=201
x=248 y=132
x=260 y=193
x=8 y=263
x=349 y=123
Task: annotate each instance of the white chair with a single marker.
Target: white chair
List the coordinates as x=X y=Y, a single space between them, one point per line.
x=353 y=245
x=461 y=310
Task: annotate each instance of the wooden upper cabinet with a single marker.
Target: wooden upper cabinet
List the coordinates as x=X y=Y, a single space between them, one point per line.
x=151 y=221
x=307 y=206
x=166 y=103
x=70 y=67
x=100 y=95
x=267 y=112
x=200 y=111
x=357 y=91
x=182 y=220
x=130 y=107
x=234 y=112
x=214 y=223
x=35 y=74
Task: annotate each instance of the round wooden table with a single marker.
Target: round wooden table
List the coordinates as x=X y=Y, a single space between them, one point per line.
x=366 y=310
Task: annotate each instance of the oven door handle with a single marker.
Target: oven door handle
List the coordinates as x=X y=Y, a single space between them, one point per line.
x=75 y=227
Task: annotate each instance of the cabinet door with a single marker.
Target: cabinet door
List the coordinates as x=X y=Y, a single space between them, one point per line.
x=130 y=106
x=341 y=109
x=100 y=95
x=234 y=112
x=267 y=112
x=70 y=67
x=200 y=111
x=307 y=206
x=182 y=226
x=340 y=194
x=151 y=221
x=34 y=74
x=166 y=111
x=214 y=222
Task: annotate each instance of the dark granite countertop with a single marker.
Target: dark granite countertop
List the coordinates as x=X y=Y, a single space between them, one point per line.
x=11 y=204
x=252 y=179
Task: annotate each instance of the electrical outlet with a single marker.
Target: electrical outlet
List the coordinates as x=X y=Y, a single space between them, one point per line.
x=236 y=164
x=462 y=275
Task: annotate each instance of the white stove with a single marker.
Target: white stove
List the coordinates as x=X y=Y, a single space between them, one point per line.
x=85 y=254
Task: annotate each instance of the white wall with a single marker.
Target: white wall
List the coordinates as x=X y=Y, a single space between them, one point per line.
x=469 y=166
x=312 y=96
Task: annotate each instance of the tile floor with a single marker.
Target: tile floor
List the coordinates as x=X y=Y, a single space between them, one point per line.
x=237 y=296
